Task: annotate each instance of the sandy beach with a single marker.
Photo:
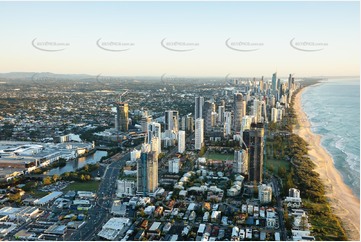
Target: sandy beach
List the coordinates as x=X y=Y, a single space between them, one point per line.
x=344 y=203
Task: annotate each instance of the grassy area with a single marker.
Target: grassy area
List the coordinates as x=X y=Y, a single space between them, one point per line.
x=91 y=186
x=325 y=225
x=276 y=164
x=38 y=194
x=218 y=156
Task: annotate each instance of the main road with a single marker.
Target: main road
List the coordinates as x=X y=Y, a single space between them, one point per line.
x=99 y=213
x=279 y=208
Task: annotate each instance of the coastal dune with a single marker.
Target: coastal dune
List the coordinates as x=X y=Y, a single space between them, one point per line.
x=343 y=202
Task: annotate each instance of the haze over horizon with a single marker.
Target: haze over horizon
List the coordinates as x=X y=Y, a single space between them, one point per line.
x=147 y=39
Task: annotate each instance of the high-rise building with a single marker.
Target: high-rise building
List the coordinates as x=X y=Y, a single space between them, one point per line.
x=274 y=82
x=154 y=137
x=227 y=123
x=279 y=114
x=125 y=188
x=265 y=193
x=290 y=83
x=209 y=109
x=135 y=154
x=173 y=166
x=246 y=123
x=121 y=124
x=144 y=122
x=171 y=121
x=274 y=115
x=147 y=172
x=181 y=141
x=237 y=111
x=190 y=123
x=221 y=110
x=199 y=134
x=198 y=108
x=253 y=139
x=240 y=162
x=257 y=110
x=244 y=108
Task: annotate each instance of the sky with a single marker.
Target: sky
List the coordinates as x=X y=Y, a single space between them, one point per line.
x=304 y=38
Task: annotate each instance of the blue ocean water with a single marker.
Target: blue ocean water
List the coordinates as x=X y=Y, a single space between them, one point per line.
x=333 y=108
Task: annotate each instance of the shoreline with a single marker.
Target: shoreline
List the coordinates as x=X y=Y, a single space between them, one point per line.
x=343 y=201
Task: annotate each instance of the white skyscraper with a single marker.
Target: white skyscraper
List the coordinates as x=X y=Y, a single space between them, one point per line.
x=257 y=110
x=181 y=141
x=240 y=162
x=199 y=133
x=227 y=123
x=246 y=122
x=274 y=115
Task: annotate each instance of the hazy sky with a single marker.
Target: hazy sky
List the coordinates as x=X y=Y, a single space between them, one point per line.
x=206 y=26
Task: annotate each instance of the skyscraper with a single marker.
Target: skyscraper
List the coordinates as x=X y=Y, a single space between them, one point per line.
x=154 y=137
x=274 y=115
x=209 y=109
x=257 y=110
x=227 y=123
x=198 y=107
x=274 y=82
x=240 y=162
x=221 y=114
x=121 y=119
x=144 y=122
x=237 y=111
x=181 y=141
x=171 y=121
x=290 y=83
x=147 y=172
x=253 y=139
x=199 y=133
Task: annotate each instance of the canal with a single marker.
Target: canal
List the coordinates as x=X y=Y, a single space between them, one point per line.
x=75 y=164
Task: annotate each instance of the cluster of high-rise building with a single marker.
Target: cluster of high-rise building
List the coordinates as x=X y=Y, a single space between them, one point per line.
x=240 y=114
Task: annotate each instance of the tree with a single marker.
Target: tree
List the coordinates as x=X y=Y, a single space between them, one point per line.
x=47 y=180
x=282 y=171
x=86 y=168
x=56 y=177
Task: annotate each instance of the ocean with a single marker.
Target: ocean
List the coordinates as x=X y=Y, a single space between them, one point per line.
x=333 y=109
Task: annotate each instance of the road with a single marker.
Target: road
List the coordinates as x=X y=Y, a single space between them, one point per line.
x=98 y=215
x=279 y=208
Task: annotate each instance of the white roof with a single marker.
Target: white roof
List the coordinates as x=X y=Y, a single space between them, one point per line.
x=155 y=226
x=48 y=198
x=116 y=223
